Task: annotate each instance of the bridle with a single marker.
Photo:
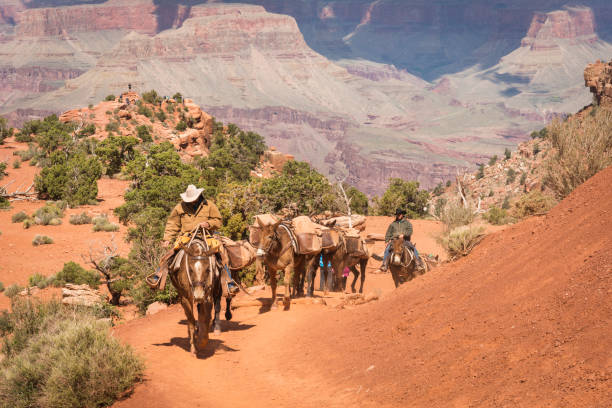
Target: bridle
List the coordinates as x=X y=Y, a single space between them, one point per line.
x=211 y=259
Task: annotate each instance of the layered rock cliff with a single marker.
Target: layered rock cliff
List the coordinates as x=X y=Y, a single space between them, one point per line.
x=598 y=78
x=360 y=113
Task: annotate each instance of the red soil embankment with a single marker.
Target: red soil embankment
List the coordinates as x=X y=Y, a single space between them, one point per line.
x=523 y=321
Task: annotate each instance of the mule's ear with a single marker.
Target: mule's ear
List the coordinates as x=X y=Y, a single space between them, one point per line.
x=259 y=222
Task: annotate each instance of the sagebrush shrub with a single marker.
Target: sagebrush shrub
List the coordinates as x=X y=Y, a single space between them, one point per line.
x=455 y=215
x=12 y=290
x=80 y=219
x=581 y=148
x=534 y=203
x=497 y=216
x=19 y=217
x=461 y=240
x=101 y=223
x=62 y=357
x=42 y=240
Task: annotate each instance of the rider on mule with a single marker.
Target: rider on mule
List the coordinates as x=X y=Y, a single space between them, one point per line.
x=402 y=228
x=193 y=211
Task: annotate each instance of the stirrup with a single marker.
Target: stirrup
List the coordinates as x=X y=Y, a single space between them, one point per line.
x=153 y=284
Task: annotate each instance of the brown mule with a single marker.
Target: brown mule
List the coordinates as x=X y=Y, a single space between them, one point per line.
x=340 y=258
x=198 y=284
x=402 y=262
x=276 y=249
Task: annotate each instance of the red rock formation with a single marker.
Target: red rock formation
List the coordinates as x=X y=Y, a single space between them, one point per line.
x=598 y=77
x=572 y=23
x=114 y=15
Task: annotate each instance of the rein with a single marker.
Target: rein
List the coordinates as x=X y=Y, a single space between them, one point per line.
x=211 y=258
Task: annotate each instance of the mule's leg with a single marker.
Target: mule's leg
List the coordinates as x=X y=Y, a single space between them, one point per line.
x=204 y=315
x=228 y=308
x=289 y=273
x=191 y=324
x=355 y=276
x=217 y=320
x=311 y=277
x=395 y=275
x=273 y=287
x=363 y=265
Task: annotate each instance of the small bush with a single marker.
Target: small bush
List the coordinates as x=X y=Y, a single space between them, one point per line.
x=28 y=222
x=1 y=287
x=490 y=193
x=50 y=214
x=161 y=116
x=101 y=223
x=112 y=127
x=19 y=217
x=455 y=215
x=110 y=98
x=26 y=155
x=480 y=173
x=534 y=203
x=448 y=183
x=42 y=240
x=580 y=150
x=63 y=357
x=2 y=168
x=536 y=149
x=506 y=203
x=143 y=110
x=497 y=216
x=72 y=272
x=511 y=176
x=144 y=134
x=181 y=126
x=461 y=240
x=80 y=219
x=493 y=160
x=151 y=97
x=13 y=290
x=507 y=153
x=523 y=179
x=38 y=280
x=16 y=163
x=178 y=97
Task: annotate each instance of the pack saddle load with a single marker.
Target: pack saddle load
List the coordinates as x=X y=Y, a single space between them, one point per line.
x=308 y=236
x=240 y=254
x=305 y=235
x=355 y=245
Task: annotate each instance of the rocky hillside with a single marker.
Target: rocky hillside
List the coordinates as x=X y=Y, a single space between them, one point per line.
x=505 y=178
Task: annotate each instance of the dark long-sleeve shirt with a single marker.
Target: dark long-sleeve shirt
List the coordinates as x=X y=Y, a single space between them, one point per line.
x=397 y=228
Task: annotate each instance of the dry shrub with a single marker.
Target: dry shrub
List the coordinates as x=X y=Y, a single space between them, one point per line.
x=58 y=356
x=80 y=219
x=42 y=240
x=581 y=149
x=533 y=203
x=461 y=240
x=455 y=215
x=19 y=217
x=101 y=223
x=497 y=216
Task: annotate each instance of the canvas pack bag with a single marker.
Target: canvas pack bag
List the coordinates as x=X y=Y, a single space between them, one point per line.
x=354 y=243
x=308 y=238
x=329 y=238
x=240 y=254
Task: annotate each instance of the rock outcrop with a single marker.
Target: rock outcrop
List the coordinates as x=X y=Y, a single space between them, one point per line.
x=598 y=77
x=81 y=295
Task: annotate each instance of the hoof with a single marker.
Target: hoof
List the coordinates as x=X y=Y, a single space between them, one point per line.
x=228 y=315
x=274 y=306
x=217 y=331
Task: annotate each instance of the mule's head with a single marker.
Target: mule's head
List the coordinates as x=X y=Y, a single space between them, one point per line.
x=262 y=235
x=199 y=270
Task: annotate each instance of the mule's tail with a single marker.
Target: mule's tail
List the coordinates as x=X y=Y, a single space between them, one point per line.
x=377 y=257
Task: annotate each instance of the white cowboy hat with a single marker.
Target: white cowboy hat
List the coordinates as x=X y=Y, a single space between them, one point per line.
x=191 y=194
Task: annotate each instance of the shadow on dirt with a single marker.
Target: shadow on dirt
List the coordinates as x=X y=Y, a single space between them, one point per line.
x=212 y=346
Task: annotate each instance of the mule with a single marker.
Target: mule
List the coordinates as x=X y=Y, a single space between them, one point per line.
x=402 y=262
x=340 y=259
x=198 y=283
x=276 y=249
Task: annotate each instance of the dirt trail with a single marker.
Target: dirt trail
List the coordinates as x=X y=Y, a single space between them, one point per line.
x=524 y=321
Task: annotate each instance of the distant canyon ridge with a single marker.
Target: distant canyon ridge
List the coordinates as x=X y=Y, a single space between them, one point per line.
x=363 y=90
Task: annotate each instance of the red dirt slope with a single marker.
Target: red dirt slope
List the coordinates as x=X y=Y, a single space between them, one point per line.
x=524 y=321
